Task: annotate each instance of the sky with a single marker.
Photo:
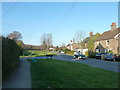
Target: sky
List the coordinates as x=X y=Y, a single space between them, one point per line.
x=61 y=19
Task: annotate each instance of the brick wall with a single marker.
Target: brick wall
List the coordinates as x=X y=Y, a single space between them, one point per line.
x=111 y=44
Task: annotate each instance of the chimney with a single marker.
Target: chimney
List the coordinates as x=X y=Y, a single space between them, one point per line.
x=70 y=41
x=73 y=40
x=91 y=34
x=113 y=26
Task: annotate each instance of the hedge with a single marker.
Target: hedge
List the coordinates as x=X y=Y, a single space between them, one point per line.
x=91 y=54
x=10 y=56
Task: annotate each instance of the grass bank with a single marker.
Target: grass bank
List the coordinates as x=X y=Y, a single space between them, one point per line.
x=69 y=53
x=62 y=74
x=36 y=53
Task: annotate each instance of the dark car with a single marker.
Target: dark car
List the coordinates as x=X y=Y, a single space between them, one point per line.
x=98 y=56
x=79 y=57
x=112 y=57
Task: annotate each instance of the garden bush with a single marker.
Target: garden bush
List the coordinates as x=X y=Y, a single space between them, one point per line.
x=26 y=52
x=110 y=51
x=86 y=54
x=10 y=56
x=91 y=54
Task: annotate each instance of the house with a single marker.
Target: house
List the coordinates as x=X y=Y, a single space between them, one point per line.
x=83 y=51
x=109 y=40
x=73 y=46
x=84 y=44
x=85 y=41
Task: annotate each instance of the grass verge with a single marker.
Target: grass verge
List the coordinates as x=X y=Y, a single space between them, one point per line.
x=35 y=53
x=62 y=74
x=69 y=53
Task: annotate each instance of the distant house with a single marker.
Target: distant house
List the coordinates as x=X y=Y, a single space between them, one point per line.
x=83 y=51
x=84 y=44
x=73 y=46
x=109 y=40
x=85 y=41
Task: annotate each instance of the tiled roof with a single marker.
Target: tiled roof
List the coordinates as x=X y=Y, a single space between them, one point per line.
x=108 y=34
x=86 y=40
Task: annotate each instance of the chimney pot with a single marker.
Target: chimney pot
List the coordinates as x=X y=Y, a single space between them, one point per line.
x=113 y=26
x=91 y=34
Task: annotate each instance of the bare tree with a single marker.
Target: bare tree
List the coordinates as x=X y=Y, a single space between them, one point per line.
x=79 y=37
x=62 y=45
x=49 y=40
x=15 y=35
x=46 y=40
x=43 y=41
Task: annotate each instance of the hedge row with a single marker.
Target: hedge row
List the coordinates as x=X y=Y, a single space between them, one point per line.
x=10 y=56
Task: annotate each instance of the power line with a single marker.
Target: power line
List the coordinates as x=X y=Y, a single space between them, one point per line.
x=66 y=14
x=13 y=6
x=23 y=28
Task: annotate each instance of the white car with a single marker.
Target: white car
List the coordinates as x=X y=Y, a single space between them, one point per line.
x=62 y=52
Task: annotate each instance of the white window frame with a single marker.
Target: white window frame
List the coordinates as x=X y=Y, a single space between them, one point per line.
x=107 y=43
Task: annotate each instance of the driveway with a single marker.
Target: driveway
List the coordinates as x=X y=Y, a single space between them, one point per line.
x=107 y=65
x=21 y=78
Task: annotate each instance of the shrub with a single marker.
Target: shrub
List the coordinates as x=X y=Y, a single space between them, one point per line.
x=110 y=51
x=91 y=54
x=65 y=50
x=10 y=56
x=25 y=52
x=86 y=54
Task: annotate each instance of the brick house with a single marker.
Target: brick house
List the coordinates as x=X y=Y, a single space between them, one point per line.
x=109 y=40
x=85 y=41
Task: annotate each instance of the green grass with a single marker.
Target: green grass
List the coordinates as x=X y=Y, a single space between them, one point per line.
x=69 y=52
x=35 y=53
x=62 y=74
x=29 y=60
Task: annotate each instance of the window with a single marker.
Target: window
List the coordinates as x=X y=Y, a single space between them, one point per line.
x=97 y=50
x=107 y=42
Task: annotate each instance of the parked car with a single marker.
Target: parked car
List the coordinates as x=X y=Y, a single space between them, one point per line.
x=98 y=56
x=79 y=57
x=112 y=57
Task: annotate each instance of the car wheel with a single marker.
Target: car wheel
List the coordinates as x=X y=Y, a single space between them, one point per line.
x=114 y=60
x=74 y=57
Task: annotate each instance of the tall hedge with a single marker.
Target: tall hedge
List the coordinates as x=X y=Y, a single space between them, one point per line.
x=10 y=56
